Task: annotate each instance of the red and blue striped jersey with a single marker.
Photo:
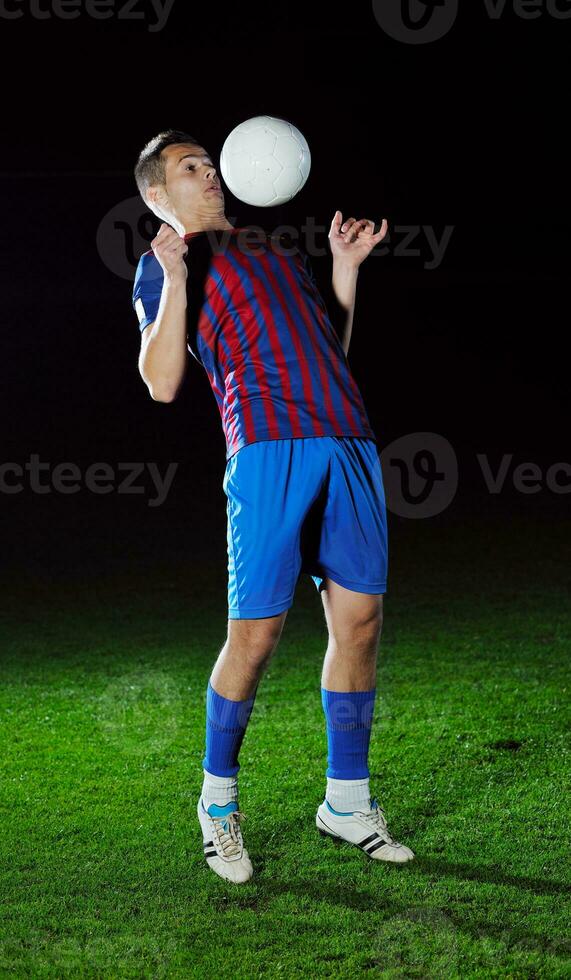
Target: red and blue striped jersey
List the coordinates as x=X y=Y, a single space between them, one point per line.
x=257 y=323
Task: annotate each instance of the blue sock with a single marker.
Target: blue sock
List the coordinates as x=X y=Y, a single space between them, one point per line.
x=349 y=717
x=226 y=723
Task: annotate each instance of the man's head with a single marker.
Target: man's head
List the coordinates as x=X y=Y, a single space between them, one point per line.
x=175 y=174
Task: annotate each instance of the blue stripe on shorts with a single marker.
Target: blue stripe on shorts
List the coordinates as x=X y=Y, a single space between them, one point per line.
x=314 y=505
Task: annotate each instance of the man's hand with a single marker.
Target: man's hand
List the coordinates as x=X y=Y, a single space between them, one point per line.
x=352 y=240
x=170 y=250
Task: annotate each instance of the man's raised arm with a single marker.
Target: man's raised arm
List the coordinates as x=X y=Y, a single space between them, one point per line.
x=351 y=241
x=164 y=355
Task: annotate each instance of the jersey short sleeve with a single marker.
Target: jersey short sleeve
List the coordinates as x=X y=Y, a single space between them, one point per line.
x=147 y=289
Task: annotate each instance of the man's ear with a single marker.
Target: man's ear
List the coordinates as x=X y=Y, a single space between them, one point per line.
x=151 y=195
x=157 y=200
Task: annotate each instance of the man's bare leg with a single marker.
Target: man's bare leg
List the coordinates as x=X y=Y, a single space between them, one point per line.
x=245 y=655
x=354 y=623
x=230 y=698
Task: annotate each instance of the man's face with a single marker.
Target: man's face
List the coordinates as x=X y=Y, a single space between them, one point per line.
x=192 y=186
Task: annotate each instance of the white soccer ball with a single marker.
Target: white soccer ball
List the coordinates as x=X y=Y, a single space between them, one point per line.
x=265 y=161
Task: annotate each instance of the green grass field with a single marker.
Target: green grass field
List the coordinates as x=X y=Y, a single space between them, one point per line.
x=102 y=715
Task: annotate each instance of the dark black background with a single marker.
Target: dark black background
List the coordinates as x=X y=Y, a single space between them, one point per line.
x=468 y=131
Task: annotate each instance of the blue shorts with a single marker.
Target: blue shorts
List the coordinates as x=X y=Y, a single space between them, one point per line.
x=313 y=505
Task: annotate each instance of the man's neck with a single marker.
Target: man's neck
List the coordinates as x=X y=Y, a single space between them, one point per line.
x=216 y=224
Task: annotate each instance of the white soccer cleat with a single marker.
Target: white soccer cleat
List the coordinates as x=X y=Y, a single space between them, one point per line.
x=222 y=841
x=366 y=829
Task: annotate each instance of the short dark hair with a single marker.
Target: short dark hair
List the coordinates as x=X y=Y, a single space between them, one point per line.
x=150 y=167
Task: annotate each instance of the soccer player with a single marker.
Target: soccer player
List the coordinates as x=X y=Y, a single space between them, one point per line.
x=303 y=476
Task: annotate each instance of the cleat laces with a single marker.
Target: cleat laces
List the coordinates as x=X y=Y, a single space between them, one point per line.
x=376 y=817
x=227 y=831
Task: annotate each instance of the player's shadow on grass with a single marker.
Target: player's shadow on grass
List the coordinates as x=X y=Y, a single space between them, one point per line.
x=258 y=895
x=488 y=875
x=344 y=852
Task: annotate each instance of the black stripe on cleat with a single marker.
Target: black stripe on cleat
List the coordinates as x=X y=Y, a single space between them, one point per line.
x=374 y=847
x=368 y=840
x=210 y=854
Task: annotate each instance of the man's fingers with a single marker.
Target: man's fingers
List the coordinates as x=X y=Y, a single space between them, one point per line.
x=173 y=249
x=167 y=240
x=383 y=230
x=354 y=228
x=166 y=236
x=336 y=224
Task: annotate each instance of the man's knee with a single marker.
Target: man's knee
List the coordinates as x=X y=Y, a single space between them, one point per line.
x=254 y=640
x=353 y=619
x=365 y=627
